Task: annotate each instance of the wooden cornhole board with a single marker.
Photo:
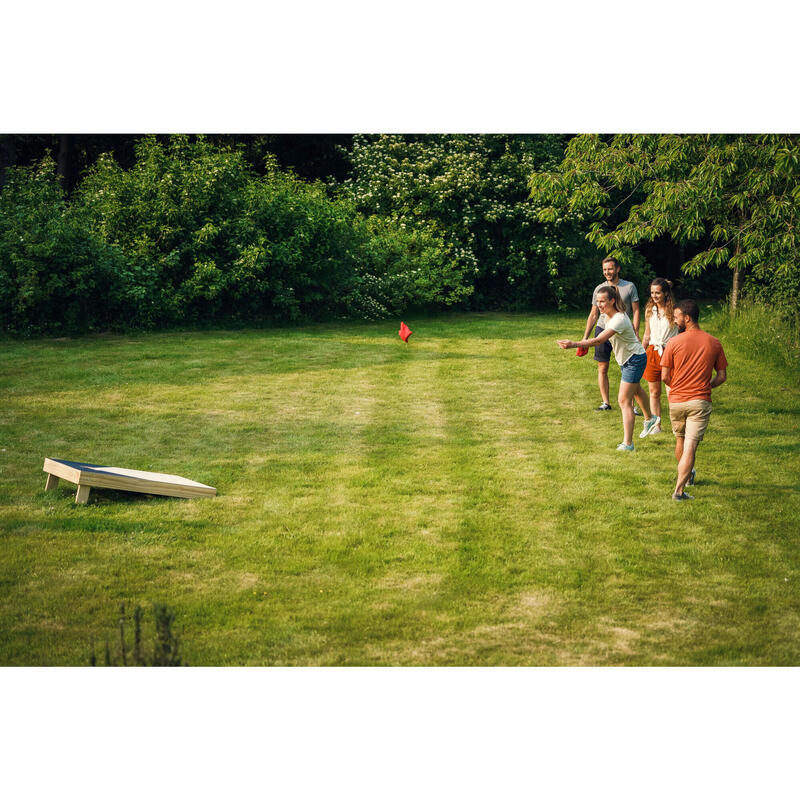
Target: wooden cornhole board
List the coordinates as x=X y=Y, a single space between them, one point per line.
x=126 y=480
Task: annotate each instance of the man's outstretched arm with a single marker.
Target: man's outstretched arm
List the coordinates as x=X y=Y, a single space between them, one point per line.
x=591 y=321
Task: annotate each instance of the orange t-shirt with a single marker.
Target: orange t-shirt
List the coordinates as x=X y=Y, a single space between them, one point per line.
x=692 y=355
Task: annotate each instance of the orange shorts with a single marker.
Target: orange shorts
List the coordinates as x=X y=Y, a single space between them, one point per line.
x=652 y=372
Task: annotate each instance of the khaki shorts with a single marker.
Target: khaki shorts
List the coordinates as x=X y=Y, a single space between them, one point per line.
x=690 y=419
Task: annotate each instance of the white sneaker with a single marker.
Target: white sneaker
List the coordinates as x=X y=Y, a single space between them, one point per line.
x=649 y=425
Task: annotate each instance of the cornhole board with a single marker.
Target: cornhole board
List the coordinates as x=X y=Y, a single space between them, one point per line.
x=126 y=480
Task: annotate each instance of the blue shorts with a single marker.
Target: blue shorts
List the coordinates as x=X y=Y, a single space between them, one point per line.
x=633 y=368
x=602 y=352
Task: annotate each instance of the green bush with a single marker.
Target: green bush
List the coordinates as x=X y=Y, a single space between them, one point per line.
x=56 y=276
x=190 y=235
x=297 y=250
x=206 y=240
x=399 y=270
x=175 y=215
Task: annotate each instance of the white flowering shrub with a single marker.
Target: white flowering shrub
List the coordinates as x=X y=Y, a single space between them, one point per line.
x=470 y=193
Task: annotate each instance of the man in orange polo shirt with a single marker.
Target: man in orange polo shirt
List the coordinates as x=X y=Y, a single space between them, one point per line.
x=686 y=367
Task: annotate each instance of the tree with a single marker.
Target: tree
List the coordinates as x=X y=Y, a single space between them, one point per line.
x=471 y=190
x=310 y=156
x=739 y=192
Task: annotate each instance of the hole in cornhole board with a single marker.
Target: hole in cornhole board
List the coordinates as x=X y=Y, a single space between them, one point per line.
x=87 y=476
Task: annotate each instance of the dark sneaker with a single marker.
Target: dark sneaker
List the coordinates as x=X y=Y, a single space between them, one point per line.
x=683 y=496
x=637 y=412
x=603 y=407
x=690 y=482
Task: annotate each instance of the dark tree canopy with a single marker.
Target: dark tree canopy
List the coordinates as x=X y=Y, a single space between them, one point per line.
x=738 y=195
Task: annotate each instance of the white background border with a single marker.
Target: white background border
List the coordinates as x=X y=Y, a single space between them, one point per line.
x=430 y=67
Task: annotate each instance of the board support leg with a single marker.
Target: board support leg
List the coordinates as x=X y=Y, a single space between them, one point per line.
x=52 y=482
x=82 y=495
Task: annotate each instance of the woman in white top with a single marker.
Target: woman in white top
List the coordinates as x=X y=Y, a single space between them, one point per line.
x=659 y=328
x=629 y=354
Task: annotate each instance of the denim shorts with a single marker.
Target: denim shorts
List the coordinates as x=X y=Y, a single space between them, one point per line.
x=633 y=368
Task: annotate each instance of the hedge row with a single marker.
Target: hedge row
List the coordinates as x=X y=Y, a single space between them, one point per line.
x=190 y=235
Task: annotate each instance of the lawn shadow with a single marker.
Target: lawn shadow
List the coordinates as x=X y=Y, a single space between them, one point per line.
x=104 y=497
x=114 y=496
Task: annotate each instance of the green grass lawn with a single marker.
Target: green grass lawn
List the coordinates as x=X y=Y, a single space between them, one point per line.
x=451 y=501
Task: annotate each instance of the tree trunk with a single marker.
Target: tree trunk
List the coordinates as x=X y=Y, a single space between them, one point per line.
x=737 y=286
x=65 y=167
x=738 y=272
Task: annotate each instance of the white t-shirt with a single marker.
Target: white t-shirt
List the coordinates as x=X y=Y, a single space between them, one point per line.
x=661 y=330
x=624 y=341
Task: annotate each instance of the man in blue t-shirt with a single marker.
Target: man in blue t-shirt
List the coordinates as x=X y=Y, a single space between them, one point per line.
x=596 y=320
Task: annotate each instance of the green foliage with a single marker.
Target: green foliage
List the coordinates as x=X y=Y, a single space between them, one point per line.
x=175 y=215
x=166 y=643
x=736 y=194
x=398 y=269
x=468 y=193
x=763 y=332
x=207 y=239
x=311 y=256
x=190 y=235
x=56 y=276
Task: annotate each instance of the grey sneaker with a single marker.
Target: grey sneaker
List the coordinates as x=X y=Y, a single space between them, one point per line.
x=623 y=446
x=649 y=425
x=683 y=496
x=637 y=412
x=603 y=407
x=690 y=482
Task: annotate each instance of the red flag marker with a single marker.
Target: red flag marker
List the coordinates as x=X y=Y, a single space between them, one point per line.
x=405 y=332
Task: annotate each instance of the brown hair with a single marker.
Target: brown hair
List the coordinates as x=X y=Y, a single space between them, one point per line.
x=610 y=260
x=669 y=299
x=613 y=294
x=690 y=308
